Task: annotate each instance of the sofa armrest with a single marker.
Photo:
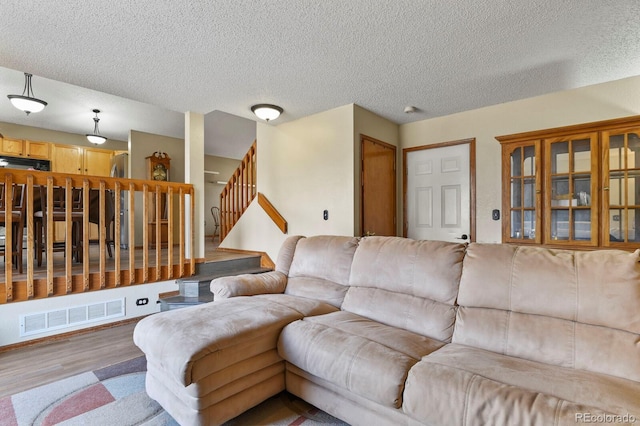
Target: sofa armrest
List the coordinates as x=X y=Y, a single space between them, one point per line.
x=248 y=285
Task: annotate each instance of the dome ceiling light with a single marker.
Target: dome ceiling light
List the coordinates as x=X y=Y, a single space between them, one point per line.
x=267 y=112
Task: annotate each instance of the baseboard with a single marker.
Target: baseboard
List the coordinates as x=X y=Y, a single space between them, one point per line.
x=67 y=335
x=265 y=260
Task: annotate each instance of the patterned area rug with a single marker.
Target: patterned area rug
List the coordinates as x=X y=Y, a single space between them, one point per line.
x=115 y=396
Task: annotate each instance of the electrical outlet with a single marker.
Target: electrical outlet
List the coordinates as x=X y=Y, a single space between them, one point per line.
x=495 y=214
x=325 y=215
x=141 y=302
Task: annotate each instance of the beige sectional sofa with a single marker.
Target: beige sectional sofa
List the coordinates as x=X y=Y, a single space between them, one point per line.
x=386 y=330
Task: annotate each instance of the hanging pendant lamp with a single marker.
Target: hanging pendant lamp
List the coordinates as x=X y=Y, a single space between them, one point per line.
x=27 y=103
x=96 y=137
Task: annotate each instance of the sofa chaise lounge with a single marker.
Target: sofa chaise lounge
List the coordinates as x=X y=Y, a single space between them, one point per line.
x=387 y=330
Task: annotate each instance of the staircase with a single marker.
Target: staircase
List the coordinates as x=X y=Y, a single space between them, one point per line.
x=239 y=192
x=194 y=290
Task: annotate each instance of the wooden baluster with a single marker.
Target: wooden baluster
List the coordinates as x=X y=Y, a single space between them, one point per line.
x=30 y=234
x=102 y=232
x=50 y=234
x=145 y=234
x=170 y=234
x=158 y=231
x=86 y=202
x=117 y=205
x=182 y=236
x=193 y=231
x=8 y=237
x=132 y=235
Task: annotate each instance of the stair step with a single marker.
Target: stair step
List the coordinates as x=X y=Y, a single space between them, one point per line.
x=198 y=285
x=230 y=265
x=177 y=302
x=195 y=290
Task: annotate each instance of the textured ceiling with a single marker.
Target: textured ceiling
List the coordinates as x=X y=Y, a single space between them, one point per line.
x=226 y=55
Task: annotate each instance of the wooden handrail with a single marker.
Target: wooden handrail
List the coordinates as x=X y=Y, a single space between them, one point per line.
x=94 y=210
x=271 y=211
x=238 y=193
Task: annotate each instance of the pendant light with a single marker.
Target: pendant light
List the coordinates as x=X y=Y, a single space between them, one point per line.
x=27 y=103
x=95 y=137
x=267 y=112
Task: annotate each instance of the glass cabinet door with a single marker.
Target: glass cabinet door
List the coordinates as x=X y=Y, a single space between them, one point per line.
x=522 y=197
x=571 y=190
x=621 y=185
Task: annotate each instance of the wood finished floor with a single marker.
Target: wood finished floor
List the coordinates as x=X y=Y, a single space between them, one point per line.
x=32 y=366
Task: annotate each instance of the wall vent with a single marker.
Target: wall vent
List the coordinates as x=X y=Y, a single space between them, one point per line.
x=57 y=319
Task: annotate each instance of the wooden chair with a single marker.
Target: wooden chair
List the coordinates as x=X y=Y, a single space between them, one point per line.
x=59 y=215
x=18 y=210
x=215 y=212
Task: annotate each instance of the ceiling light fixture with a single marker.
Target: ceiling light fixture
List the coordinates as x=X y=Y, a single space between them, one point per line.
x=95 y=137
x=267 y=112
x=27 y=103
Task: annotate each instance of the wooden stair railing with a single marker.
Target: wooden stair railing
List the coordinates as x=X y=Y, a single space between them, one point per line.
x=237 y=195
x=91 y=274
x=273 y=214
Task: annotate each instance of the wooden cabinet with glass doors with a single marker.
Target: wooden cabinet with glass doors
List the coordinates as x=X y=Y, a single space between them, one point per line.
x=523 y=194
x=573 y=187
x=621 y=184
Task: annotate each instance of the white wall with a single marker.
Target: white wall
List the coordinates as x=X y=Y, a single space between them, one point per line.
x=10 y=312
x=303 y=168
x=594 y=103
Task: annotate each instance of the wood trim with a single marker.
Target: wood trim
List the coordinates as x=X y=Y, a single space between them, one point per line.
x=570 y=130
x=265 y=260
x=168 y=294
x=67 y=335
x=472 y=181
x=271 y=211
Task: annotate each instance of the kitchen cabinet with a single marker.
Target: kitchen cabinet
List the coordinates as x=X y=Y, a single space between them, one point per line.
x=79 y=160
x=25 y=148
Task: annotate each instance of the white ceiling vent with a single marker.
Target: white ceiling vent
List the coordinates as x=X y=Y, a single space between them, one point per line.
x=57 y=319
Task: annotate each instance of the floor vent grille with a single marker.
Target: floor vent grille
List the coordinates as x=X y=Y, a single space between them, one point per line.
x=57 y=319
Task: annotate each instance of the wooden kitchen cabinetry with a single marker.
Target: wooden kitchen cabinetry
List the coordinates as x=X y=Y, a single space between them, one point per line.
x=25 y=148
x=78 y=160
x=573 y=187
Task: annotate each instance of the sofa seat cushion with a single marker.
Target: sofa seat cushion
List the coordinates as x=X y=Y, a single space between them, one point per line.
x=464 y=385
x=192 y=343
x=306 y=307
x=362 y=356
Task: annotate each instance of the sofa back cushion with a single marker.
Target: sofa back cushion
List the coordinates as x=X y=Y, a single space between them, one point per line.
x=577 y=309
x=320 y=268
x=407 y=284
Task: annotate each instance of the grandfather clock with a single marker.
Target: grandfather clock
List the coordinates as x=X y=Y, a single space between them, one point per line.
x=158 y=167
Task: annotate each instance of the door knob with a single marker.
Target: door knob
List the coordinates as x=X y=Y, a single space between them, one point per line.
x=464 y=237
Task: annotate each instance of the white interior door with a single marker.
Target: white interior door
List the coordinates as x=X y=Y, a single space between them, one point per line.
x=438 y=193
